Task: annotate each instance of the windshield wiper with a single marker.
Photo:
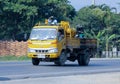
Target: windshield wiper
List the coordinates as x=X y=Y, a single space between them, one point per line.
x=50 y=38
x=46 y=39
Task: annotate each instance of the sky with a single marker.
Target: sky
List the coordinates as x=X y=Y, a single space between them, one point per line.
x=82 y=3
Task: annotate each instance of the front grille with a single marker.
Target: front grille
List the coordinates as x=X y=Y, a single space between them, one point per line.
x=41 y=51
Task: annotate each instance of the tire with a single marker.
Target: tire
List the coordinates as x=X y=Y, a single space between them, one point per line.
x=83 y=59
x=61 y=60
x=35 y=61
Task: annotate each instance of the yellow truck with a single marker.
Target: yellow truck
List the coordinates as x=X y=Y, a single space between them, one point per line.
x=57 y=43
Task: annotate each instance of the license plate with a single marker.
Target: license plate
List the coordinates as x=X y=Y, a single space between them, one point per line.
x=41 y=56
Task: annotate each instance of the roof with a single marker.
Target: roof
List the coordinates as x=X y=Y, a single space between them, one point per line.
x=46 y=26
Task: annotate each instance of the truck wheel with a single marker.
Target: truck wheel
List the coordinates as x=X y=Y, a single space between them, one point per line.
x=83 y=59
x=35 y=61
x=61 y=60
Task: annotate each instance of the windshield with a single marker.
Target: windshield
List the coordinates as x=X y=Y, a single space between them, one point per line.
x=43 y=34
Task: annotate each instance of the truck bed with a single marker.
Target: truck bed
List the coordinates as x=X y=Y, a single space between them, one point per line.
x=84 y=42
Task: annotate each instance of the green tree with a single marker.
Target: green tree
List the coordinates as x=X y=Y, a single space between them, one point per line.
x=98 y=19
x=102 y=39
x=17 y=17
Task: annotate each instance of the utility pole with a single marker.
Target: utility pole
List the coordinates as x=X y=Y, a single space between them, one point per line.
x=93 y=2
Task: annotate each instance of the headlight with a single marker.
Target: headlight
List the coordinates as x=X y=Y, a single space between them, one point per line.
x=31 y=50
x=53 y=50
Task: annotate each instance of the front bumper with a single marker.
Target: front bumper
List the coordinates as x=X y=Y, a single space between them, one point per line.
x=43 y=55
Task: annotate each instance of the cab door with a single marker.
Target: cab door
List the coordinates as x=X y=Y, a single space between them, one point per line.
x=61 y=40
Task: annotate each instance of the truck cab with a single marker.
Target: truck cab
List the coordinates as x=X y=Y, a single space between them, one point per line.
x=46 y=43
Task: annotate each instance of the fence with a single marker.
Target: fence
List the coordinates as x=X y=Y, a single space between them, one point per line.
x=13 y=48
x=111 y=54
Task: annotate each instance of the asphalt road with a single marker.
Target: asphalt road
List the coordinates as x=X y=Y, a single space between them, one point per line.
x=25 y=70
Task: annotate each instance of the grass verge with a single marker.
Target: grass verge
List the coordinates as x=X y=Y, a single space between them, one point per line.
x=14 y=58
